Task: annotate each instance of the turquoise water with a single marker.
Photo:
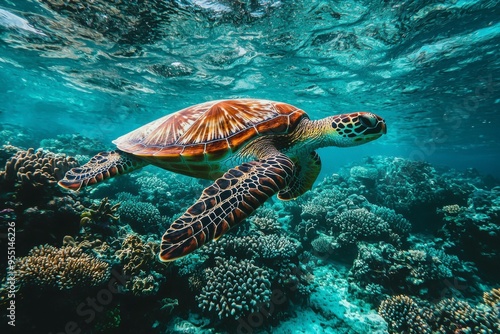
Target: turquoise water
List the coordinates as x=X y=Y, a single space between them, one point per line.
x=99 y=69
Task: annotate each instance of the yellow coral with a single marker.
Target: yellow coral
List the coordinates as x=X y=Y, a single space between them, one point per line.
x=492 y=298
x=63 y=268
x=37 y=168
x=453 y=209
x=136 y=255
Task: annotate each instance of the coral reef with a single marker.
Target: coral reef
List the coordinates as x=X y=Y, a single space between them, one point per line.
x=422 y=272
x=457 y=316
x=256 y=247
x=44 y=212
x=327 y=253
x=403 y=315
x=72 y=144
x=354 y=220
x=62 y=268
x=140 y=264
x=32 y=170
x=473 y=232
x=492 y=298
x=234 y=288
x=143 y=217
x=100 y=214
x=265 y=220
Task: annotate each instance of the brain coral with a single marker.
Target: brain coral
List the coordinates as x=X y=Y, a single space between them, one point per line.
x=62 y=268
x=234 y=288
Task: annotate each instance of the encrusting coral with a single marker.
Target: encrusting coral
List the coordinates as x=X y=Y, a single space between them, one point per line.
x=63 y=268
x=234 y=288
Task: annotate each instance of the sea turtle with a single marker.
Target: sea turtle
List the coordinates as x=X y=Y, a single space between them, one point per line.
x=251 y=148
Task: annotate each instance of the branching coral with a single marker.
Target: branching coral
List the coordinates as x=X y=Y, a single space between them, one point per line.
x=418 y=271
x=234 y=288
x=450 y=315
x=457 y=316
x=139 y=261
x=324 y=244
x=102 y=213
x=63 y=268
x=256 y=246
x=265 y=220
x=403 y=315
x=359 y=225
x=141 y=216
x=492 y=298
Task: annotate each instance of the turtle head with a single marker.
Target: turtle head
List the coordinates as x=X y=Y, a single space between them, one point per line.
x=354 y=129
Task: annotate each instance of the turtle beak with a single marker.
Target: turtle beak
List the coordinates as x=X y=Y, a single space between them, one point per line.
x=374 y=124
x=383 y=126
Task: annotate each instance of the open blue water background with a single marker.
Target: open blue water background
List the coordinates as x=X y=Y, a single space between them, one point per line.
x=103 y=68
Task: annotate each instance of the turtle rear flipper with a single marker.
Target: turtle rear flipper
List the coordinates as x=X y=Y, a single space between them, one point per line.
x=102 y=166
x=226 y=203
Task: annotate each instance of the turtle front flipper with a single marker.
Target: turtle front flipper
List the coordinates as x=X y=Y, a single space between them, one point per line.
x=102 y=166
x=226 y=203
x=308 y=169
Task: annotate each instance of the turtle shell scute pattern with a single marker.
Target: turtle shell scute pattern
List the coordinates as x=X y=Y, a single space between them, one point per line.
x=212 y=128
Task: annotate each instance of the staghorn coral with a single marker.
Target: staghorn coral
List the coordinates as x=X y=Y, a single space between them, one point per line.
x=234 y=288
x=403 y=315
x=63 y=268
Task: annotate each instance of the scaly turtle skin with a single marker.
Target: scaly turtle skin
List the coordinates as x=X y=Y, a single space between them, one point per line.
x=252 y=149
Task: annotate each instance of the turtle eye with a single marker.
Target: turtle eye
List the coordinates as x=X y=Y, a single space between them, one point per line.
x=367 y=120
